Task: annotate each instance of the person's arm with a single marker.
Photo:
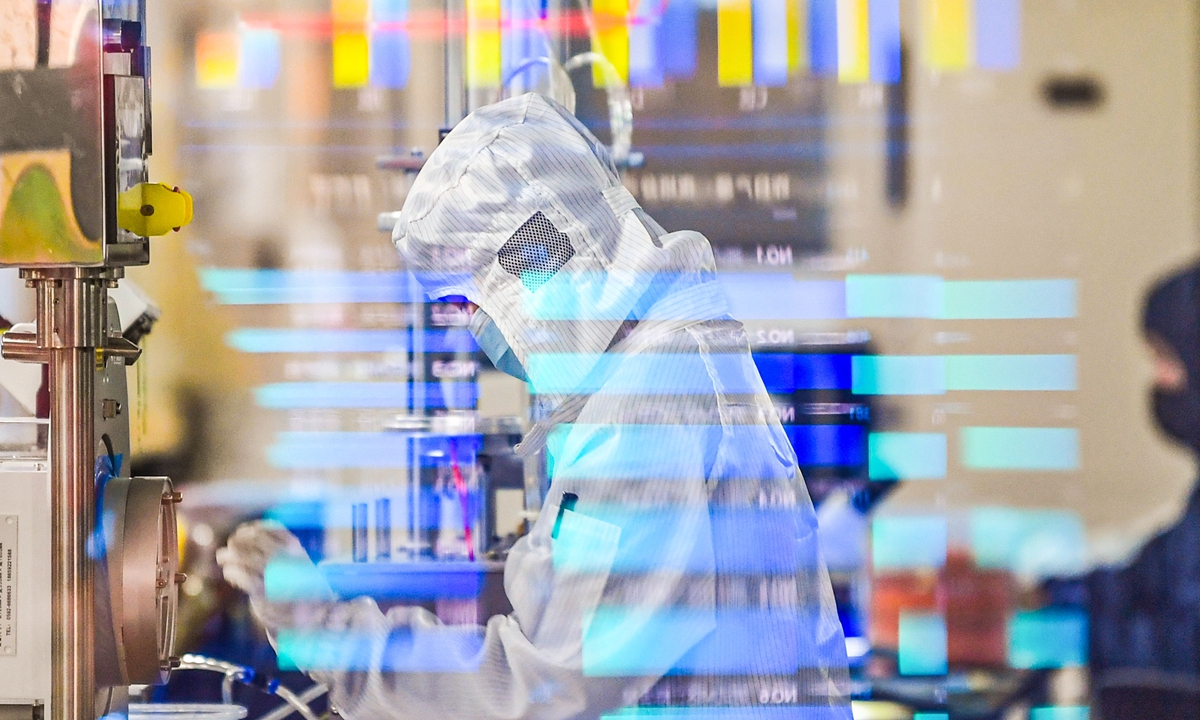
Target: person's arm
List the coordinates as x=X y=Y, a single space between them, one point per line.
x=601 y=610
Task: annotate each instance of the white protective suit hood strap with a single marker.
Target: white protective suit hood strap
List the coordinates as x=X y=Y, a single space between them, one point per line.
x=521 y=211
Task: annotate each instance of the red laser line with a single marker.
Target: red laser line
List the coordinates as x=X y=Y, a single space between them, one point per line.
x=432 y=24
x=461 y=484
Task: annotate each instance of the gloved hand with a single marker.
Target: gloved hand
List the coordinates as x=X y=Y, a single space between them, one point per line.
x=251 y=548
x=268 y=563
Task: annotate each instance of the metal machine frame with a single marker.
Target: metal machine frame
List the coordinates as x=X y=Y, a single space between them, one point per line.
x=75 y=209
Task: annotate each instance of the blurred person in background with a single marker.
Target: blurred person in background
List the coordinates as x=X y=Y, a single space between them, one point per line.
x=675 y=562
x=1145 y=616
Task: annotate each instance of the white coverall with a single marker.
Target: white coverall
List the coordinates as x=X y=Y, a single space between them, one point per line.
x=687 y=580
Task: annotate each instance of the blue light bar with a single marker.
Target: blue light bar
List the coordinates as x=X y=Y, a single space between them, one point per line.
x=894 y=296
x=1010 y=299
x=937 y=374
x=1020 y=448
x=814 y=711
x=746 y=541
x=289 y=340
x=623 y=641
x=1061 y=712
x=441 y=648
x=645 y=51
x=288 y=396
x=281 y=396
x=391 y=59
x=773 y=296
x=923 y=646
x=261 y=58
x=786 y=373
x=828 y=445
x=345 y=450
x=406 y=581
x=907 y=456
x=523 y=42
x=884 y=20
x=1048 y=638
x=677 y=39
x=929 y=296
x=1010 y=372
x=908 y=542
x=823 y=37
x=451 y=395
x=770 y=18
x=751 y=296
x=899 y=375
x=998 y=34
x=274 y=287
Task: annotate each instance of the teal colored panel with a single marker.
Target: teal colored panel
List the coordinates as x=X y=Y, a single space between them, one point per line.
x=1010 y=372
x=668 y=713
x=908 y=542
x=1059 y=713
x=298 y=649
x=1050 y=638
x=785 y=711
x=1020 y=448
x=287 y=579
x=1009 y=299
x=922 y=644
x=440 y=649
x=1030 y=543
x=621 y=641
x=585 y=544
x=907 y=456
x=931 y=716
x=650 y=713
x=896 y=296
x=898 y=375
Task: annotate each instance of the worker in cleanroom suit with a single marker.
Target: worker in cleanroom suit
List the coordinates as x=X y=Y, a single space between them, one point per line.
x=675 y=563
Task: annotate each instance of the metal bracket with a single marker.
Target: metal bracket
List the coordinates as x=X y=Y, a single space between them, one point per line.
x=23 y=346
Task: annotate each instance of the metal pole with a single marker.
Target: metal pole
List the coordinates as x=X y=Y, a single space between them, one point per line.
x=72 y=499
x=72 y=309
x=454 y=68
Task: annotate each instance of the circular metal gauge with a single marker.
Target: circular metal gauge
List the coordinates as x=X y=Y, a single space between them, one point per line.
x=144 y=575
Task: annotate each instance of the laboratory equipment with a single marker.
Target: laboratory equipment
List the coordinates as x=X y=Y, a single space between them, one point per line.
x=233 y=674
x=90 y=554
x=423 y=538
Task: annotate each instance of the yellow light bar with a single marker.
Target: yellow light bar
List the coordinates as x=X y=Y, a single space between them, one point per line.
x=797 y=36
x=949 y=42
x=217 y=60
x=483 y=43
x=854 y=41
x=735 y=43
x=612 y=38
x=350 y=60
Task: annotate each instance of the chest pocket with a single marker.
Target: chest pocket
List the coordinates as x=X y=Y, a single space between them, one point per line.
x=583 y=554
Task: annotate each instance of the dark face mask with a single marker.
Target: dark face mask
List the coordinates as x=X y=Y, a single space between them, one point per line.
x=1178 y=414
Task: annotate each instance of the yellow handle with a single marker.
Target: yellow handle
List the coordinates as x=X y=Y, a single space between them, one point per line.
x=151 y=209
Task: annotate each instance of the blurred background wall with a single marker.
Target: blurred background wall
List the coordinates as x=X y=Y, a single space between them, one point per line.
x=1006 y=183
x=1002 y=182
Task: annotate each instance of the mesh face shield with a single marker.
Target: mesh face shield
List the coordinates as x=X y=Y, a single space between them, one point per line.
x=536 y=252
